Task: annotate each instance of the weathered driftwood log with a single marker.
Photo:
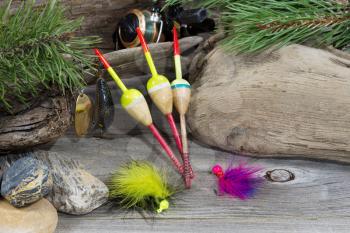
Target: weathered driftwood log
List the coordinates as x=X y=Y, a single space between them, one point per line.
x=131 y=62
x=159 y=51
x=292 y=102
x=41 y=124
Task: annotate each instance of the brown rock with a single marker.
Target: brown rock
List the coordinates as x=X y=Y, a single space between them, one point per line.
x=40 y=217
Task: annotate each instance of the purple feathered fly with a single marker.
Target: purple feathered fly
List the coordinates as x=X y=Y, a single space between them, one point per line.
x=241 y=181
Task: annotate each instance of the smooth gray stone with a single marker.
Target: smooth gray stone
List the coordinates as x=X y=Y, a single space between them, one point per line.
x=26 y=181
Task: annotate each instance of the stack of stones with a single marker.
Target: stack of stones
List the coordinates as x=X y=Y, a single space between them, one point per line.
x=35 y=185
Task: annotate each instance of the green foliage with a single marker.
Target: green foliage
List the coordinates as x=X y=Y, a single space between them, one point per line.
x=38 y=51
x=204 y=3
x=253 y=26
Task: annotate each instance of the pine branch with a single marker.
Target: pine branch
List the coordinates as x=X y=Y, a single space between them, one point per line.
x=253 y=26
x=37 y=42
x=320 y=22
x=39 y=52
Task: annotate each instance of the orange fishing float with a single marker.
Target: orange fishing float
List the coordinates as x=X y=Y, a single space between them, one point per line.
x=135 y=104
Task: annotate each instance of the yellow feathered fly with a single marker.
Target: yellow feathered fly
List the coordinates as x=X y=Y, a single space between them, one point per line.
x=140 y=184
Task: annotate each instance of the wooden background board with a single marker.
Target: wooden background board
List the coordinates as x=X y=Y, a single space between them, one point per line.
x=100 y=16
x=317 y=200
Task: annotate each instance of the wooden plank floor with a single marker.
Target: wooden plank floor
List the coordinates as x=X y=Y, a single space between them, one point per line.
x=317 y=200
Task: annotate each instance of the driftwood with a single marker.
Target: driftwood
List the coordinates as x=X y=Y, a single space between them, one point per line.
x=291 y=102
x=131 y=62
x=159 y=51
x=42 y=124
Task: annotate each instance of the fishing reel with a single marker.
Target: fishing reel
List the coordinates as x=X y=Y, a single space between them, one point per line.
x=150 y=24
x=156 y=25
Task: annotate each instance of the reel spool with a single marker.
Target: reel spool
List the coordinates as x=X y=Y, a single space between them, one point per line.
x=149 y=23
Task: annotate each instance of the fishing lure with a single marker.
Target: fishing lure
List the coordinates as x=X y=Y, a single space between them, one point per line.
x=159 y=89
x=182 y=95
x=104 y=105
x=83 y=115
x=241 y=181
x=140 y=184
x=135 y=104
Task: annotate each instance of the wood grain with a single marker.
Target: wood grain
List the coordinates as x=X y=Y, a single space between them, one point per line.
x=294 y=101
x=316 y=200
x=43 y=123
x=100 y=16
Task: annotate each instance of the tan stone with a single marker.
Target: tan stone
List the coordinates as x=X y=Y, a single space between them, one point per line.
x=40 y=217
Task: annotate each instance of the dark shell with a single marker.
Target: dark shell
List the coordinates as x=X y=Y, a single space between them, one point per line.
x=104 y=105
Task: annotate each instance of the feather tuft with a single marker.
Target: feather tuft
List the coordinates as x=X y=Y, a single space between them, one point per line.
x=140 y=184
x=241 y=181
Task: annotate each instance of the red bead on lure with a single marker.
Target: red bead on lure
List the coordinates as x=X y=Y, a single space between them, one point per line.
x=241 y=181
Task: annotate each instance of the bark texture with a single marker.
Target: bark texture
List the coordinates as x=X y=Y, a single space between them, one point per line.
x=291 y=102
x=41 y=124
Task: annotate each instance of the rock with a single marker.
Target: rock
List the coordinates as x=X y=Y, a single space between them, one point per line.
x=5 y=163
x=40 y=217
x=7 y=160
x=293 y=102
x=1 y=173
x=75 y=191
x=26 y=181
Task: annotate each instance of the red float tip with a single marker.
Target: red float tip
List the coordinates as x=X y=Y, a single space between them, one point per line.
x=176 y=42
x=142 y=39
x=102 y=58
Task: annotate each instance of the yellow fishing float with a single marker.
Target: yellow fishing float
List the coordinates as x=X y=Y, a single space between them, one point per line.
x=182 y=95
x=159 y=89
x=135 y=104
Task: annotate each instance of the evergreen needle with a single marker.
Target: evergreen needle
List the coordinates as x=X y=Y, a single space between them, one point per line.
x=39 y=52
x=252 y=26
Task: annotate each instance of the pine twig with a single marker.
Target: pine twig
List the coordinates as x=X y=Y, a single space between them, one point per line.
x=34 y=45
x=254 y=26
x=320 y=22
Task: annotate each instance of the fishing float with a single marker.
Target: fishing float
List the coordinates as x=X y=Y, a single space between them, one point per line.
x=182 y=95
x=136 y=106
x=158 y=87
